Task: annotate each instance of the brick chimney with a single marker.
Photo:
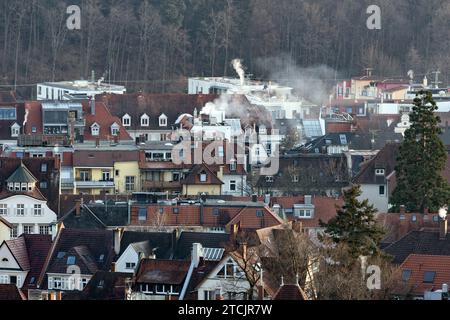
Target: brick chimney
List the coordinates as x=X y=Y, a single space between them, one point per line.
x=402 y=209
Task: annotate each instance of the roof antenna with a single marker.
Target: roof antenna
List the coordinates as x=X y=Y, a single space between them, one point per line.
x=282 y=281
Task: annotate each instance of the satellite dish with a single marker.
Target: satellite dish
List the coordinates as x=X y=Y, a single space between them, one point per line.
x=443 y=213
x=411 y=74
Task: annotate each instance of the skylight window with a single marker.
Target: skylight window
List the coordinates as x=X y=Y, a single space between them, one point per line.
x=61 y=254
x=70 y=260
x=406 y=274
x=428 y=276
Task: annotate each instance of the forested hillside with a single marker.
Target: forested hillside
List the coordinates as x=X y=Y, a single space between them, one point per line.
x=152 y=44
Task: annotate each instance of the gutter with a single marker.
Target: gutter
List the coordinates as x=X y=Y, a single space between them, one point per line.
x=186 y=282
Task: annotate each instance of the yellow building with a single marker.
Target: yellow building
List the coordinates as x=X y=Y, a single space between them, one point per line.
x=109 y=171
x=202 y=180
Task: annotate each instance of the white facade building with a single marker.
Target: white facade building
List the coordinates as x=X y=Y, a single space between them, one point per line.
x=78 y=89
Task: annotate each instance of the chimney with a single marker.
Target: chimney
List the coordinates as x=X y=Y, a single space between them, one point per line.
x=197 y=253
x=442 y=228
x=92 y=105
x=117 y=237
x=78 y=205
x=113 y=267
x=308 y=199
x=402 y=209
x=254 y=198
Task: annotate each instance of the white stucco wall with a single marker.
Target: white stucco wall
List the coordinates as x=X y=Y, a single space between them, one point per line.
x=47 y=217
x=128 y=256
x=371 y=192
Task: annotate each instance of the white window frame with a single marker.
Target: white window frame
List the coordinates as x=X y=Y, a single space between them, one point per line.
x=20 y=210
x=126 y=120
x=203 y=177
x=145 y=120
x=233 y=183
x=3 y=209
x=28 y=228
x=95 y=129
x=44 y=229
x=379 y=172
x=37 y=209
x=163 y=120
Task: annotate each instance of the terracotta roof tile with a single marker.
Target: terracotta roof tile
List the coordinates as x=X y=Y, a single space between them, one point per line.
x=419 y=264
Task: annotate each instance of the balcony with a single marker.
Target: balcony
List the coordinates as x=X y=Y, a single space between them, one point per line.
x=66 y=184
x=151 y=185
x=94 y=184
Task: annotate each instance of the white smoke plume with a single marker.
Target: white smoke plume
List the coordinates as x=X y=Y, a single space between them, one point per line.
x=312 y=83
x=237 y=65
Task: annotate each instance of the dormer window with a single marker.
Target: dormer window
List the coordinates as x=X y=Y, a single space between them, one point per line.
x=145 y=120
x=115 y=129
x=269 y=179
x=126 y=120
x=15 y=130
x=233 y=165
x=95 y=129
x=163 y=120
x=262 y=129
x=203 y=177
x=379 y=172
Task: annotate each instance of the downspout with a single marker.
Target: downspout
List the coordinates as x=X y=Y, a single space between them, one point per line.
x=186 y=282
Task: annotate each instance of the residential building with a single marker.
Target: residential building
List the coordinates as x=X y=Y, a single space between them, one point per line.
x=22 y=259
x=76 y=255
x=152 y=117
x=12 y=114
x=23 y=205
x=108 y=170
x=376 y=177
x=78 y=89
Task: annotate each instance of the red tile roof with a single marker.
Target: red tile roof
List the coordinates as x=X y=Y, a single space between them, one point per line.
x=104 y=119
x=324 y=208
x=18 y=249
x=102 y=158
x=38 y=248
x=419 y=264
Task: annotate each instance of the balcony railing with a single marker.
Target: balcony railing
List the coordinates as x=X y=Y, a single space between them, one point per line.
x=94 y=184
x=67 y=183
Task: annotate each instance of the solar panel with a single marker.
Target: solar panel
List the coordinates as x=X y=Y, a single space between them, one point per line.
x=213 y=254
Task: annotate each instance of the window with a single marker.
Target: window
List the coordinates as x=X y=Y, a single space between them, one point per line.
x=28 y=229
x=294 y=178
x=216 y=211
x=302 y=213
x=7 y=113
x=15 y=130
x=203 y=177
x=129 y=183
x=210 y=295
x=160 y=288
x=44 y=230
x=71 y=260
x=176 y=210
x=3 y=209
x=130 y=265
x=23 y=187
x=37 y=210
x=43 y=184
x=114 y=131
x=175 y=177
x=95 y=129
x=259 y=213
x=435 y=218
x=161 y=210
x=44 y=167
x=381 y=190
x=220 y=151
x=117 y=173
x=85 y=175
x=406 y=274
x=126 y=120
x=428 y=276
x=343 y=139
x=20 y=211
x=144 y=120
x=83 y=283
x=106 y=175
x=39 y=90
x=379 y=172
x=142 y=214
x=233 y=165
x=14 y=231
x=233 y=185
x=413 y=218
x=163 y=120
